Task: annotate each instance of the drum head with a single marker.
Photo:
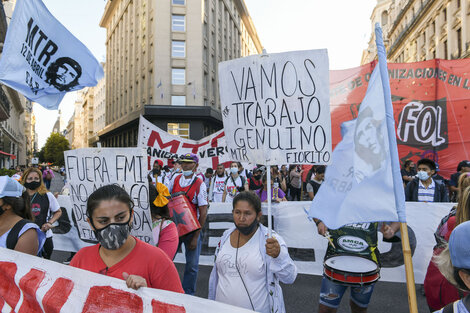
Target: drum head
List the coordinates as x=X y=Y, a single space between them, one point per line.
x=351 y=264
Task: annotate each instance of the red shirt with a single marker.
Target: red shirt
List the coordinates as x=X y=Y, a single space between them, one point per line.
x=144 y=260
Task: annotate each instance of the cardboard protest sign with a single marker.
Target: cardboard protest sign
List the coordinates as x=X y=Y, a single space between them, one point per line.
x=90 y=168
x=32 y=284
x=276 y=108
x=211 y=150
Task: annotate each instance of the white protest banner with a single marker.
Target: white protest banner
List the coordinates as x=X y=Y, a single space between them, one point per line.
x=276 y=108
x=211 y=150
x=32 y=284
x=90 y=168
x=307 y=248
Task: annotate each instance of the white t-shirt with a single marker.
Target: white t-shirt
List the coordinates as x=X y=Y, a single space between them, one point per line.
x=27 y=226
x=230 y=288
x=218 y=188
x=201 y=196
x=53 y=207
x=231 y=188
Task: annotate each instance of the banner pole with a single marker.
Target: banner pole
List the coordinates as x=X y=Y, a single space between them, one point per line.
x=268 y=195
x=410 y=278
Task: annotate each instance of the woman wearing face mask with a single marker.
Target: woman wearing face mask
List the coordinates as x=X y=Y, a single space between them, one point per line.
x=165 y=234
x=249 y=265
x=278 y=179
x=44 y=206
x=17 y=232
x=118 y=254
x=234 y=184
x=276 y=193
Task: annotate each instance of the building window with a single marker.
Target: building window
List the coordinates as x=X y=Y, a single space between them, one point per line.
x=445 y=50
x=178 y=49
x=459 y=42
x=178 y=129
x=178 y=100
x=177 y=23
x=445 y=14
x=178 y=76
x=178 y=2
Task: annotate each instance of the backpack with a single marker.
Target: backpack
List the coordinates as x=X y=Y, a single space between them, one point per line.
x=12 y=238
x=241 y=177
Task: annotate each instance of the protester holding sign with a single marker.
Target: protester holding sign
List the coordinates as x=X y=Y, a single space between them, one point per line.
x=195 y=190
x=217 y=185
x=118 y=254
x=454 y=264
x=295 y=182
x=234 y=183
x=44 y=206
x=249 y=265
x=165 y=234
x=17 y=232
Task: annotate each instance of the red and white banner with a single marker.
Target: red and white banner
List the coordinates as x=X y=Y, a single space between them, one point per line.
x=160 y=145
x=430 y=104
x=32 y=284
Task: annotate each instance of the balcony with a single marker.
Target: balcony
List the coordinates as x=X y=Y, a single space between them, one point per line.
x=425 y=6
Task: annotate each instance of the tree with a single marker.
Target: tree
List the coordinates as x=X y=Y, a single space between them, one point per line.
x=41 y=156
x=54 y=149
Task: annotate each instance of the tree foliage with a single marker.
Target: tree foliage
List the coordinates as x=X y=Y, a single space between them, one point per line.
x=54 y=149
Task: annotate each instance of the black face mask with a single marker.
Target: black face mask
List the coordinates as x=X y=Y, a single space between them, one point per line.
x=246 y=230
x=32 y=185
x=257 y=177
x=156 y=171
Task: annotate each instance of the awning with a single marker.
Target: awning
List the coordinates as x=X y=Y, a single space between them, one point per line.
x=12 y=156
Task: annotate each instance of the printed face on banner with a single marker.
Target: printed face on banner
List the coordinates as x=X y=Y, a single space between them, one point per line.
x=160 y=145
x=276 y=108
x=42 y=59
x=91 y=168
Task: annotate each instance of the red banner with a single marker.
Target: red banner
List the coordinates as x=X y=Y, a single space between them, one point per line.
x=431 y=101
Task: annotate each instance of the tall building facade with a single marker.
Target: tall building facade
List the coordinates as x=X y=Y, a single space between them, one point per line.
x=12 y=108
x=418 y=30
x=99 y=109
x=83 y=119
x=161 y=63
x=30 y=132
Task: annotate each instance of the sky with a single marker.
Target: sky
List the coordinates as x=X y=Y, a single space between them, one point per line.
x=341 y=26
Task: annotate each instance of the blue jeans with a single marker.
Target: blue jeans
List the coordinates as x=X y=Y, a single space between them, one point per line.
x=47 y=182
x=192 y=263
x=331 y=293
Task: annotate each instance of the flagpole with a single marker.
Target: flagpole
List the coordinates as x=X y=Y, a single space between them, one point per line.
x=397 y=180
x=410 y=278
x=268 y=195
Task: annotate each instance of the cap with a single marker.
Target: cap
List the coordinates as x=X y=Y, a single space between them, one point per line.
x=189 y=157
x=464 y=163
x=162 y=194
x=458 y=246
x=159 y=162
x=10 y=187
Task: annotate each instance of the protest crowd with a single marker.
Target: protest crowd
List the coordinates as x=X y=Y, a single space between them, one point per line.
x=249 y=265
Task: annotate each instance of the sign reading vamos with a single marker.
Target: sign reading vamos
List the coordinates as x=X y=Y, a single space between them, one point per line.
x=276 y=108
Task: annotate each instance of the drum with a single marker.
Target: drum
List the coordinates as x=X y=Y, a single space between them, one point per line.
x=182 y=215
x=351 y=270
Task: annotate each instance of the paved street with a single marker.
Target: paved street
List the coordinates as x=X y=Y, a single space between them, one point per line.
x=303 y=295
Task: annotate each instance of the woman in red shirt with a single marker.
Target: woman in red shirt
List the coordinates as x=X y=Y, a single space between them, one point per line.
x=118 y=254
